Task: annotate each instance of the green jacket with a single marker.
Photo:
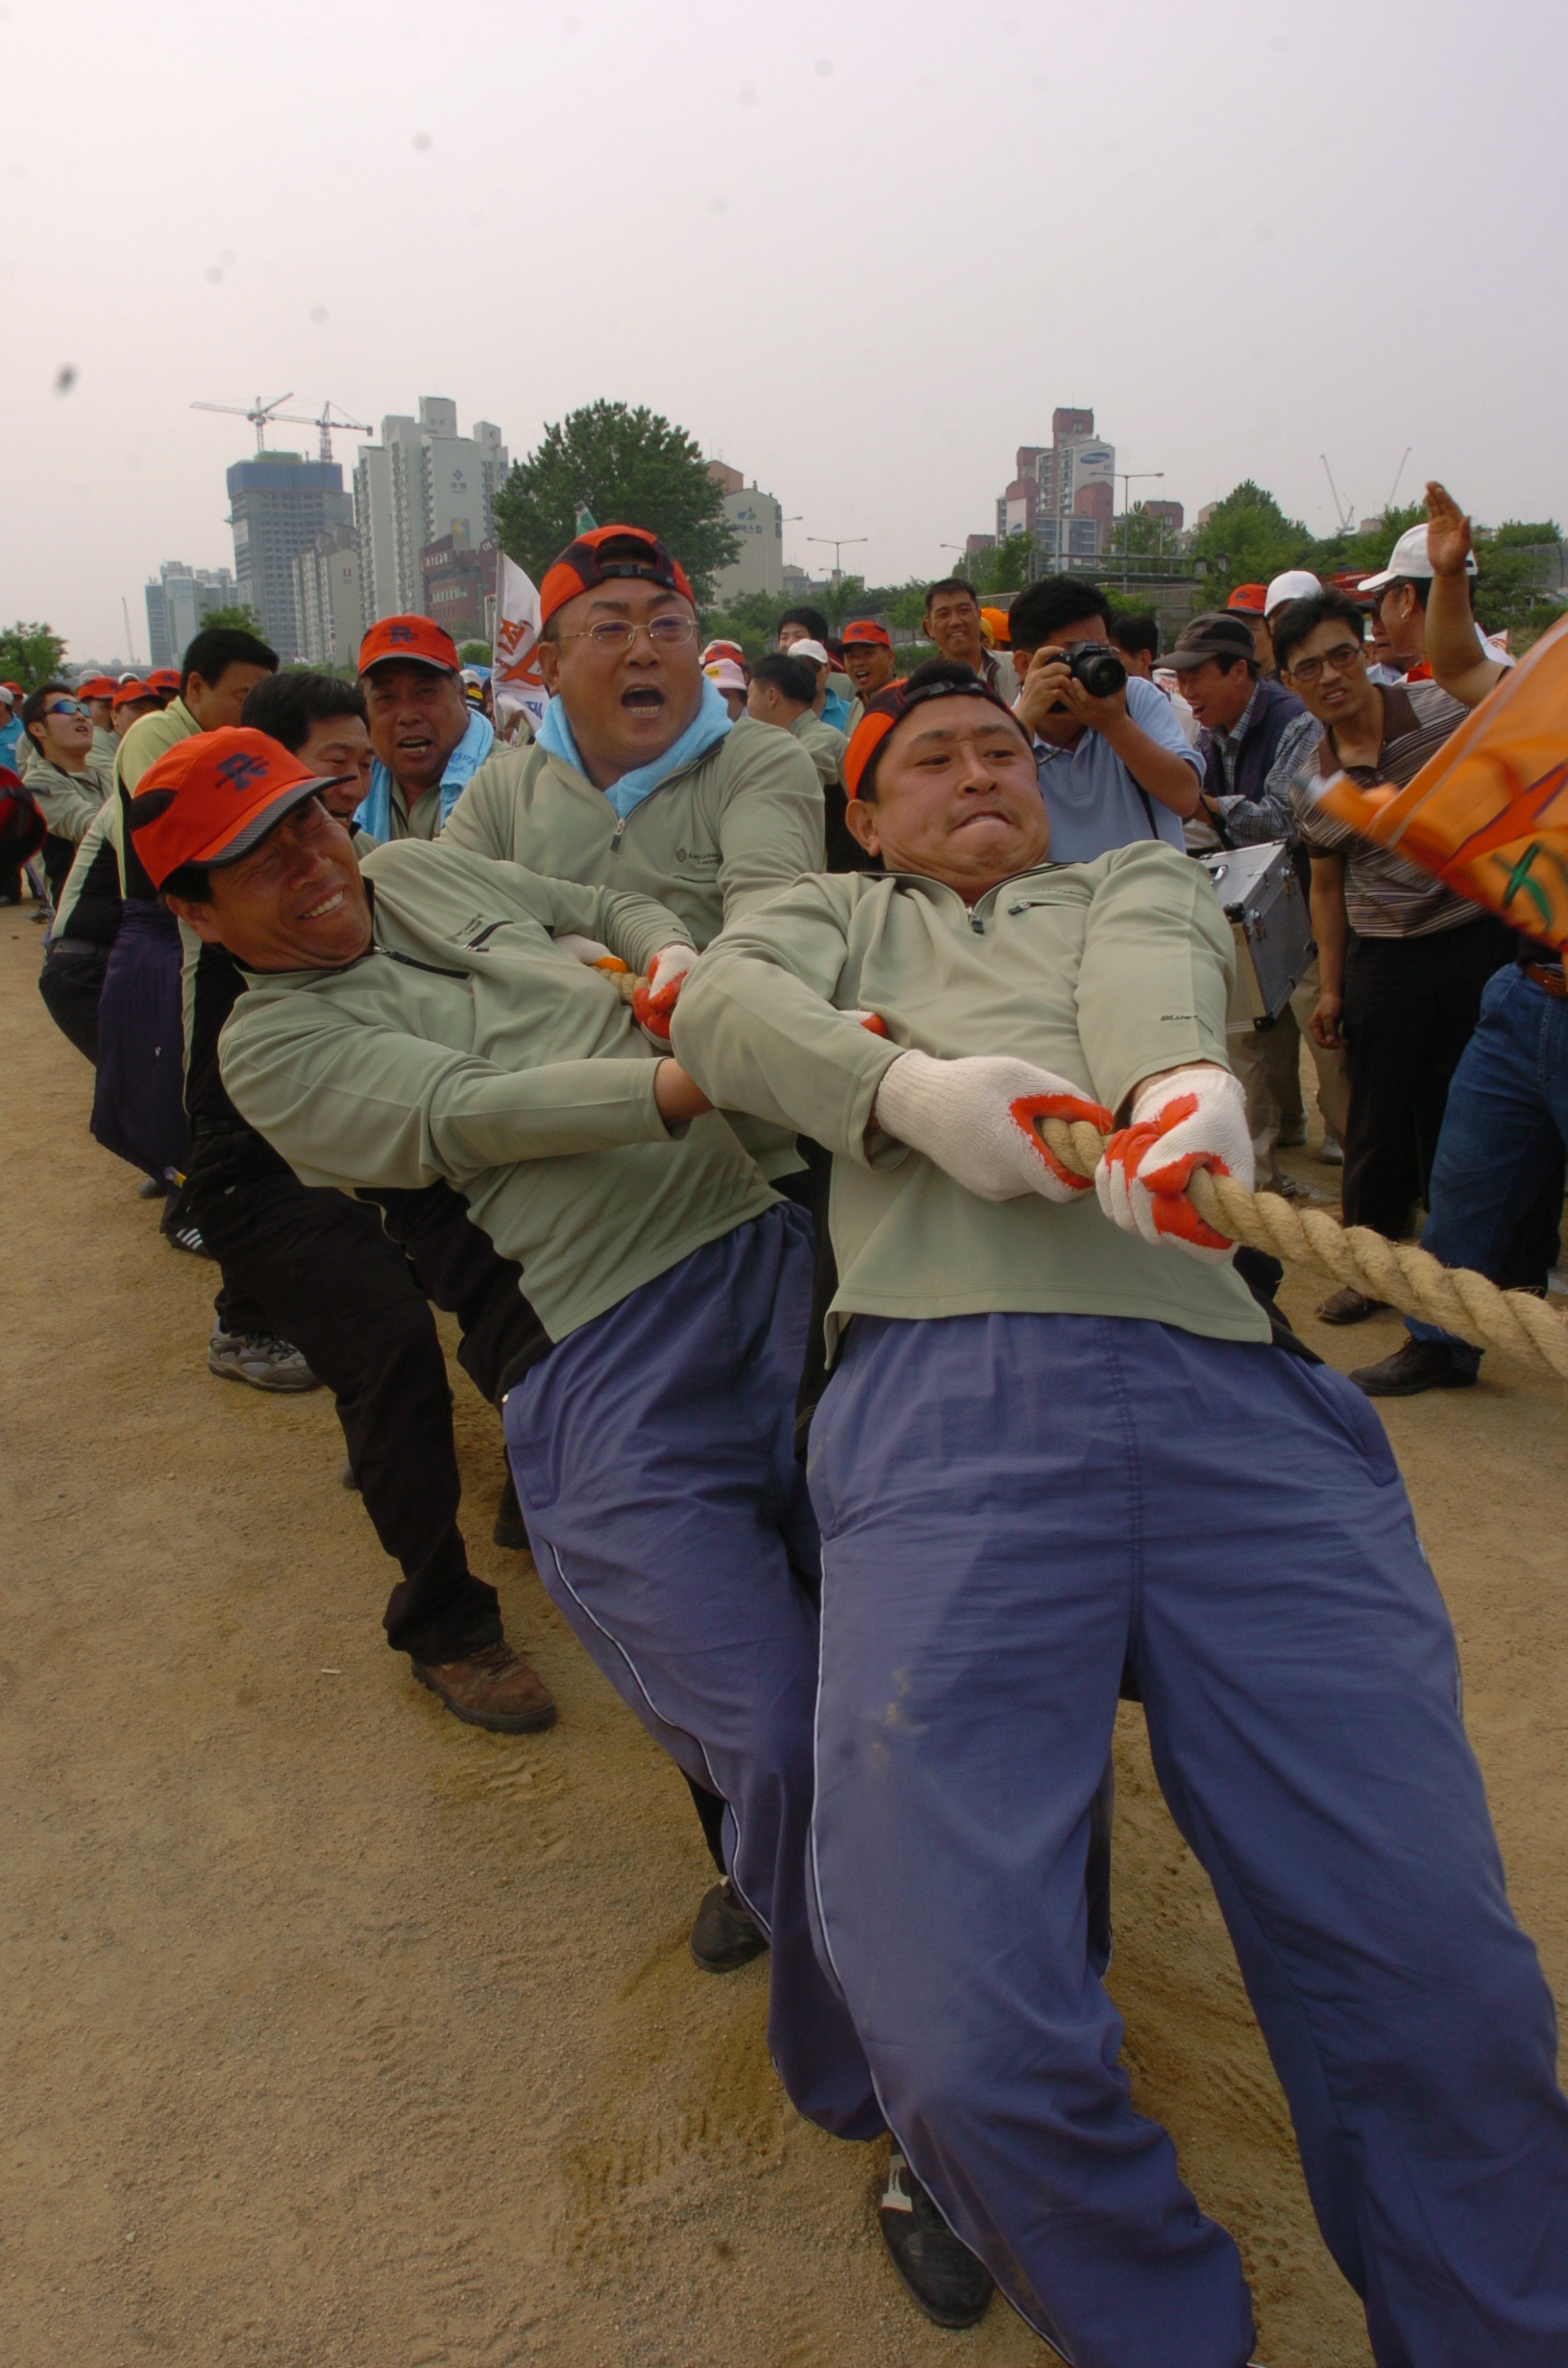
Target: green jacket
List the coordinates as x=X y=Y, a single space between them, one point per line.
x=150 y=737
x=1103 y=971
x=714 y=839
x=69 y=802
x=823 y=745
x=463 y=1047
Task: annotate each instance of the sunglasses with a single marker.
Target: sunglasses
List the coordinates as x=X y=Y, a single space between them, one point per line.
x=66 y=706
x=1339 y=660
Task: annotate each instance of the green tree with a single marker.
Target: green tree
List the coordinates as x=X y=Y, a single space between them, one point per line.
x=1004 y=568
x=1247 y=539
x=30 y=654
x=1142 y=536
x=232 y=620
x=474 y=653
x=621 y=463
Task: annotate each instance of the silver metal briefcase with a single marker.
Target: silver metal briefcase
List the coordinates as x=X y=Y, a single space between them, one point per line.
x=1262 y=899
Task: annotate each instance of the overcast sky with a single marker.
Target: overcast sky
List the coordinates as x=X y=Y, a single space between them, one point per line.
x=859 y=250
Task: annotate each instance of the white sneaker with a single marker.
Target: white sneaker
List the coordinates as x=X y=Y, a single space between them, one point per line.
x=1332 y=1151
x=258 y=1358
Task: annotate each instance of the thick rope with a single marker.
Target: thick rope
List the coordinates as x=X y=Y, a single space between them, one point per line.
x=1400 y=1274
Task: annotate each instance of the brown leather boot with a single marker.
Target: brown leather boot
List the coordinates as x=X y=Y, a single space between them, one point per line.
x=494 y=1688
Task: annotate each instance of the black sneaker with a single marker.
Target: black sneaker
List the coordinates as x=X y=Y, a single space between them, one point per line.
x=940 y=2274
x=1420 y=1365
x=726 y=1934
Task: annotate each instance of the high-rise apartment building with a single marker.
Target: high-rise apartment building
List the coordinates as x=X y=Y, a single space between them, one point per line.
x=454 y=579
x=422 y=482
x=328 y=604
x=179 y=602
x=758 y=520
x=278 y=503
x=1063 y=494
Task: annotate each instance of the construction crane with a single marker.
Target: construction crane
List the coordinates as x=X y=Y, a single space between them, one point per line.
x=261 y=414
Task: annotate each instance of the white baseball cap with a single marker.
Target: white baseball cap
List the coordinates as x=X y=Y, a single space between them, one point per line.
x=812 y=649
x=1297 y=583
x=1407 y=558
x=725 y=675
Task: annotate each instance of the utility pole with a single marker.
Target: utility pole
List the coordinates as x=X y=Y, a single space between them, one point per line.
x=839 y=542
x=1129 y=478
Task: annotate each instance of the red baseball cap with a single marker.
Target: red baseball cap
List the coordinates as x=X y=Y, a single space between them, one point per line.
x=14 y=688
x=213 y=796
x=1250 y=597
x=163 y=678
x=417 y=641
x=126 y=691
x=866 y=629
x=97 y=686
x=580 y=566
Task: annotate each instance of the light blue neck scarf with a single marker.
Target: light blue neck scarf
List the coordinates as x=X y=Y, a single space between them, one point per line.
x=374 y=815
x=704 y=731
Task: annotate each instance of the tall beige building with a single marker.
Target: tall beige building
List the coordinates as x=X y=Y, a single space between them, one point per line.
x=423 y=482
x=758 y=520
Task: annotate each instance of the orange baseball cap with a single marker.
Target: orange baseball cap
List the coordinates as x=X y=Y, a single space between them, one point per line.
x=866 y=629
x=163 y=678
x=1000 y=631
x=417 y=641
x=580 y=566
x=212 y=798
x=1250 y=597
x=127 y=692
x=97 y=686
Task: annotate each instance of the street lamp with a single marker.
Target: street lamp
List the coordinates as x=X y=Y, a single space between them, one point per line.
x=1129 y=478
x=839 y=543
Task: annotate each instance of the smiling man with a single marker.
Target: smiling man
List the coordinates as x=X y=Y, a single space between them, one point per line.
x=1057 y=1444
x=418 y=1024
x=428 y=742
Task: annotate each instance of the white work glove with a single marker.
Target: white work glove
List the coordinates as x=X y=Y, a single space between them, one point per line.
x=652 y=1005
x=588 y=949
x=974 y=1117
x=1193 y=1118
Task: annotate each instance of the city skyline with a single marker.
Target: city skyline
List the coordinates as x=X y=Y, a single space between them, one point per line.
x=1173 y=276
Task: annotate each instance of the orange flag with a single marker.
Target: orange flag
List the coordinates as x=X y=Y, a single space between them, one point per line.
x=1489 y=812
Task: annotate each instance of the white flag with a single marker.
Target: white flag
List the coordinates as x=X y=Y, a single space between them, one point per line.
x=514 y=680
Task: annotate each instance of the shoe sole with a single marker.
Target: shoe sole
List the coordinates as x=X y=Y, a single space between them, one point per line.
x=731 y=1963
x=1418 y=1389
x=955 y=2321
x=1340 y=1323
x=513 y=1722
x=269 y=1389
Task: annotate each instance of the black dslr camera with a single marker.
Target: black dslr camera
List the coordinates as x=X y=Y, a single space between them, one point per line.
x=1096 y=667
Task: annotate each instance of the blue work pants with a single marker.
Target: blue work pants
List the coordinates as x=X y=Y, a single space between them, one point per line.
x=1010 y=1505
x=1504 y=1130
x=654 y=1461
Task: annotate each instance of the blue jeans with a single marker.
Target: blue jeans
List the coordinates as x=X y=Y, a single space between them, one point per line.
x=1009 y=1505
x=1503 y=1131
x=654 y=1453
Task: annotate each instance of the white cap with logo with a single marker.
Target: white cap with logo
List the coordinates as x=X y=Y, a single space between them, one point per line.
x=1409 y=558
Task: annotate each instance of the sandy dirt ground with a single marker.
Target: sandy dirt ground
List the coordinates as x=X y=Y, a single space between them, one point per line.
x=336 y=2031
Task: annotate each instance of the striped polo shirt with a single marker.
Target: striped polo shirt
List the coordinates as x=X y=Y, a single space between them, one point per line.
x=1384 y=894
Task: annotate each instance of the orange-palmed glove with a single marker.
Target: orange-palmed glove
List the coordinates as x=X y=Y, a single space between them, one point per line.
x=975 y=1118
x=652 y=1005
x=1196 y=1117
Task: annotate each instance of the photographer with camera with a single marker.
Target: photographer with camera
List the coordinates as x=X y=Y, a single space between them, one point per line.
x=1112 y=758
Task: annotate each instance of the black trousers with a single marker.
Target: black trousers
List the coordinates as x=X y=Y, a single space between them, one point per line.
x=1410 y=1005
x=71 y=983
x=331 y=1281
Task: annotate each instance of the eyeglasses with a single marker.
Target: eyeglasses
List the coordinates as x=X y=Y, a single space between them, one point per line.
x=615 y=633
x=1339 y=660
x=66 y=706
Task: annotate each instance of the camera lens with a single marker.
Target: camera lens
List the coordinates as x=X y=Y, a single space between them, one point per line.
x=1100 y=671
